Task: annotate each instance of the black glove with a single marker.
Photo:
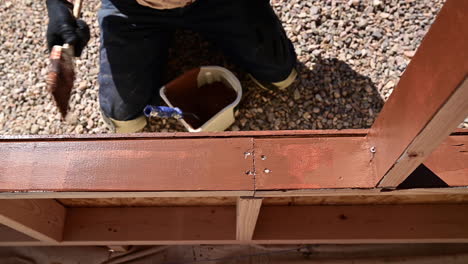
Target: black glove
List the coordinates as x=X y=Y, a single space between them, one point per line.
x=64 y=28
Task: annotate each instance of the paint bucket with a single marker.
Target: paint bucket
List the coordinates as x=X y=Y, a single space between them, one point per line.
x=207 y=95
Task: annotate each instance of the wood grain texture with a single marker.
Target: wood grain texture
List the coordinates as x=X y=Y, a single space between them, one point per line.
x=456 y=191
x=150 y=202
x=364 y=224
x=247 y=211
x=434 y=198
x=450 y=160
x=125 y=165
x=275 y=225
x=188 y=135
x=39 y=219
x=134 y=225
x=418 y=109
x=312 y=163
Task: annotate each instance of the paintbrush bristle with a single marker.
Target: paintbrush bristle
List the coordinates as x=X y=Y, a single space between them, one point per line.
x=60 y=77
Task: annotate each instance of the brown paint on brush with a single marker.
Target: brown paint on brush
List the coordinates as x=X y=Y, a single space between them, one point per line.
x=204 y=101
x=60 y=77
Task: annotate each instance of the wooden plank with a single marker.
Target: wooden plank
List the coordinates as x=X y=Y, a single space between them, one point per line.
x=275 y=225
x=368 y=199
x=363 y=224
x=315 y=163
x=137 y=225
x=149 y=202
x=188 y=135
x=126 y=165
x=247 y=214
x=119 y=194
x=39 y=219
x=450 y=160
x=436 y=192
x=429 y=101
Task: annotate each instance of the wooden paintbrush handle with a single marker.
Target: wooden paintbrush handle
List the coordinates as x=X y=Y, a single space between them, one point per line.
x=77 y=8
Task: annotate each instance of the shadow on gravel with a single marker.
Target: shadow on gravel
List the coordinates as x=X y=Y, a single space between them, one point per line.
x=341 y=97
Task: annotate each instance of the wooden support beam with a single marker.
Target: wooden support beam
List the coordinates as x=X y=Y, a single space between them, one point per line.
x=145 y=225
x=363 y=224
x=429 y=101
x=204 y=164
x=450 y=160
x=313 y=163
x=247 y=214
x=275 y=225
x=40 y=219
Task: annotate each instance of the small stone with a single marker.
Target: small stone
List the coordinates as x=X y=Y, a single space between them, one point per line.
x=314 y=10
x=336 y=94
x=389 y=85
x=384 y=15
x=377 y=34
x=318 y=97
x=316 y=110
x=79 y=129
x=306 y=115
x=34 y=129
x=296 y=95
x=83 y=85
x=409 y=53
x=354 y=2
x=376 y=2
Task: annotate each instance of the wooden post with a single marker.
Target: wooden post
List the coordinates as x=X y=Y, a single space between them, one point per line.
x=429 y=101
x=39 y=219
x=247 y=214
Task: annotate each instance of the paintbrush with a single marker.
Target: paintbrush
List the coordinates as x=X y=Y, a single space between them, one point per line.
x=61 y=73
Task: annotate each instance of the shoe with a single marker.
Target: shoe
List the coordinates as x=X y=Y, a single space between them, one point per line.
x=277 y=85
x=124 y=127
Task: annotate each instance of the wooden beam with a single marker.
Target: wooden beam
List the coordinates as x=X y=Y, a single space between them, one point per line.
x=313 y=163
x=305 y=162
x=429 y=101
x=275 y=225
x=203 y=164
x=450 y=160
x=247 y=214
x=132 y=226
x=40 y=219
x=363 y=224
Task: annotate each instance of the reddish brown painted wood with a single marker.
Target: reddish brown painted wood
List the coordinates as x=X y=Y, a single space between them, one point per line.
x=450 y=161
x=150 y=224
x=276 y=224
x=181 y=135
x=312 y=163
x=126 y=165
x=434 y=74
x=39 y=219
x=370 y=223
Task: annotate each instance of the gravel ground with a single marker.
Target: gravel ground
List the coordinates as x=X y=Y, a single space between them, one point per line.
x=351 y=55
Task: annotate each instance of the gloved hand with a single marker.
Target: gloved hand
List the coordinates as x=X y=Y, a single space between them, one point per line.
x=64 y=28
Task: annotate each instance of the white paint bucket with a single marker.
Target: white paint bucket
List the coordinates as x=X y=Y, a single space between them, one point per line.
x=202 y=76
